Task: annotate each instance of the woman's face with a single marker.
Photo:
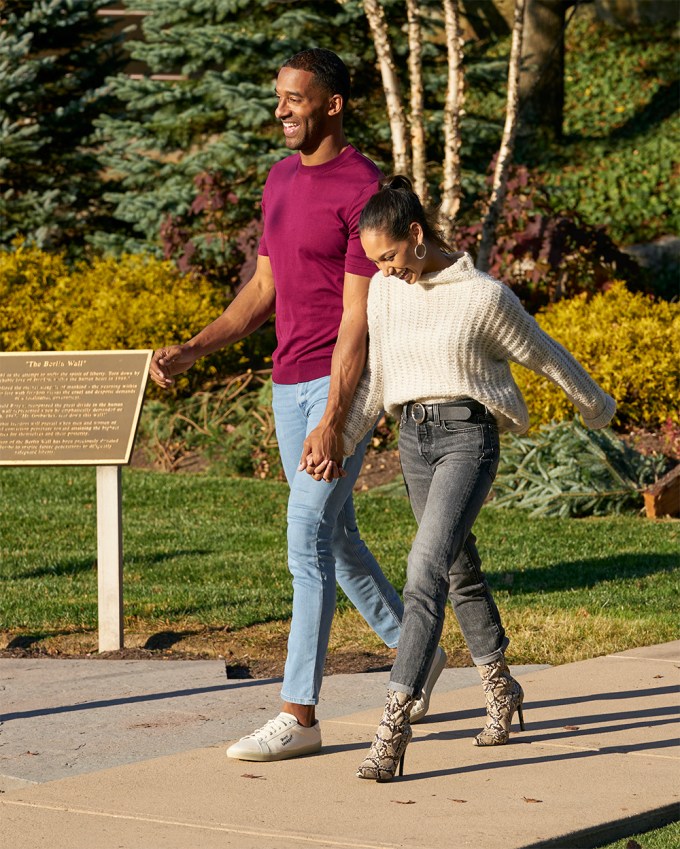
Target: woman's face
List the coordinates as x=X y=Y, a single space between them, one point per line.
x=395 y=258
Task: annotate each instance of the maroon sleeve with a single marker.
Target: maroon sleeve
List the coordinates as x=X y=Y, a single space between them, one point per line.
x=355 y=259
x=262 y=248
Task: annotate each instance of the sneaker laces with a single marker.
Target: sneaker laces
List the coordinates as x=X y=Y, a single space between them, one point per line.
x=270 y=729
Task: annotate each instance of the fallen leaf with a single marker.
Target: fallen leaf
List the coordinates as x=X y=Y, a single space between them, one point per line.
x=399 y=802
x=462 y=801
x=658 y=676
x=250 y=775
x=572 y=727
x=526 y=799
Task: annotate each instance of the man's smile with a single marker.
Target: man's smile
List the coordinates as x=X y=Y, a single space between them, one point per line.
x=289 y=128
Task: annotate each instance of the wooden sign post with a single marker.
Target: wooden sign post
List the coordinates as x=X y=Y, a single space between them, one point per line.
x=75 y=408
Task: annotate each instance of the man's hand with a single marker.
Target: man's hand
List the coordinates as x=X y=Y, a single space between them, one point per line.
x=322 y=454
x=253 y=305
x=326 y=470
x=323 y=450
x=167 y=362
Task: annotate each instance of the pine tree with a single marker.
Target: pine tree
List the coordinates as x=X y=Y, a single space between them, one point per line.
x=204 y=140
x=55 y=56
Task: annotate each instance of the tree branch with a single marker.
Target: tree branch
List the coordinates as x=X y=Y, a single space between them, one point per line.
x=507 y=143
x=395 y=109
x=451 y=184
x=418 y=149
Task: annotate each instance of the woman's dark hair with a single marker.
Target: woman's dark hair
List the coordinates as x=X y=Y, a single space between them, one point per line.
x=328 y=70
x=393 y=209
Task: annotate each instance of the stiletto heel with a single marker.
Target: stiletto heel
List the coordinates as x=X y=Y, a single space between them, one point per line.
x=389 y=746
x=504 y=696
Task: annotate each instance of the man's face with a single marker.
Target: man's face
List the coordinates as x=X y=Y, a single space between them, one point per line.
x=302 y=109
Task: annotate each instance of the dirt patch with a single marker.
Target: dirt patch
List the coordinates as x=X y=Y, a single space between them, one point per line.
x=255 y=652
x=337 y=663
x=665 y=441
x=238 y=664
x=379 y=468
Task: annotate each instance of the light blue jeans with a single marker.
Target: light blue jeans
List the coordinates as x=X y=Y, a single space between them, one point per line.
x=448 y=468
x=324 y=545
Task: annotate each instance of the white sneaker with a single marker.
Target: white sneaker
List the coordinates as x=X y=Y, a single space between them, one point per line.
x=421 y=705
x=279 y=739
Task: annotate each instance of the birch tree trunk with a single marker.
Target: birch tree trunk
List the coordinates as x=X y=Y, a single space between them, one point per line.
x=507 y=143
x=395 y=108
x=451 y=184
x=415 y=68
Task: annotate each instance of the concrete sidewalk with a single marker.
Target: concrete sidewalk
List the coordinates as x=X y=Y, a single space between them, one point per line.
x=99 y=754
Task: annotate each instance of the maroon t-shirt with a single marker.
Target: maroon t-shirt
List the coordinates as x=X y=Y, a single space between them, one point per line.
x=311 y=236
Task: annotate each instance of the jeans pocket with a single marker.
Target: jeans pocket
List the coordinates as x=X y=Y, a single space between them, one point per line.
x=456 y=426
x=464 y=439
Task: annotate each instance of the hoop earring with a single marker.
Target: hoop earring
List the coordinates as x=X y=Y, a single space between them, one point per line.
x=415 y=250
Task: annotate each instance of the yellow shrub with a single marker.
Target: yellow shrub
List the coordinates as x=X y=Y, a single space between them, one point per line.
x=34 y=311
x=628 y=342
x=137 y=301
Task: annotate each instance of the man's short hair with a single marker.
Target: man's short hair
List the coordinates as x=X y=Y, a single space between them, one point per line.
x=328 y=69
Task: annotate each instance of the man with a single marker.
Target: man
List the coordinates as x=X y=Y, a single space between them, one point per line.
x=312 y=270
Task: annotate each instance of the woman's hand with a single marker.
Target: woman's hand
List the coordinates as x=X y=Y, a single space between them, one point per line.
x=322 y=453
x=326 y=470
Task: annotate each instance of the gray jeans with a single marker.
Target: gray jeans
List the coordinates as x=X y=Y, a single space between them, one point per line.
x=448 y=468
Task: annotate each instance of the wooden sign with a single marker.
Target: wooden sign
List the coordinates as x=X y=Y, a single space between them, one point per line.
x=70 y=407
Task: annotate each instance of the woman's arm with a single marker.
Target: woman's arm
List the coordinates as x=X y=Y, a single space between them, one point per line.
x=368 y=398
x=521 y=340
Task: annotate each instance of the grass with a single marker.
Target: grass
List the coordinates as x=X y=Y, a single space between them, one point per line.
x=660 y=838
x=205 y=556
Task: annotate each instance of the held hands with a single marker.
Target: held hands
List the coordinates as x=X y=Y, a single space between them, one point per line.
x=322 y=455
x=326 y=470
x=167 y=362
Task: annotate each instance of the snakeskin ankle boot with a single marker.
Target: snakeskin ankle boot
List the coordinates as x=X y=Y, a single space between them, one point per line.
x=504 y=696
x=391 y=739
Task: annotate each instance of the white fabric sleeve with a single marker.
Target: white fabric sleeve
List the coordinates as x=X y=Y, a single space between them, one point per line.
x=368 y=397
x=521 y=339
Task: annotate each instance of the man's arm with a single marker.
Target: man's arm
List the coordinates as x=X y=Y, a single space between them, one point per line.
x=253 y=305
x=324 y=445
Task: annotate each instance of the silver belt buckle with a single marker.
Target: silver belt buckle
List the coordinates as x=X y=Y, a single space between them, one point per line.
x=418 y=413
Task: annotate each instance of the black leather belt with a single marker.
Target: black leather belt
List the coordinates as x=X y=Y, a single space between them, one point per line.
x=460 y=411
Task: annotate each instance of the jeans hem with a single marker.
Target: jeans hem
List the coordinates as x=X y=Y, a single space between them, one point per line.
x=495 y=656
x=396 y=687
x=296 y=701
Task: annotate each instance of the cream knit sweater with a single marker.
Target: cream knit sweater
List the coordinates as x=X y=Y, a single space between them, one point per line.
x=450 y=336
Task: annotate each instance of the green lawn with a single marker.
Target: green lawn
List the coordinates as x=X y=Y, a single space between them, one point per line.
x=205 y=552
x=660 y=838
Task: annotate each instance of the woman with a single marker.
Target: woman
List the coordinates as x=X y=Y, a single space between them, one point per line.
x=441 y=338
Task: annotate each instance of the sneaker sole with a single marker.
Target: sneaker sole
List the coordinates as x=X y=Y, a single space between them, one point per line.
x=276 y=756
x=437 y=669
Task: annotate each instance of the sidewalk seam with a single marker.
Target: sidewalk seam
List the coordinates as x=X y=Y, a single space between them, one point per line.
x=633 y=657
x=318 y=839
